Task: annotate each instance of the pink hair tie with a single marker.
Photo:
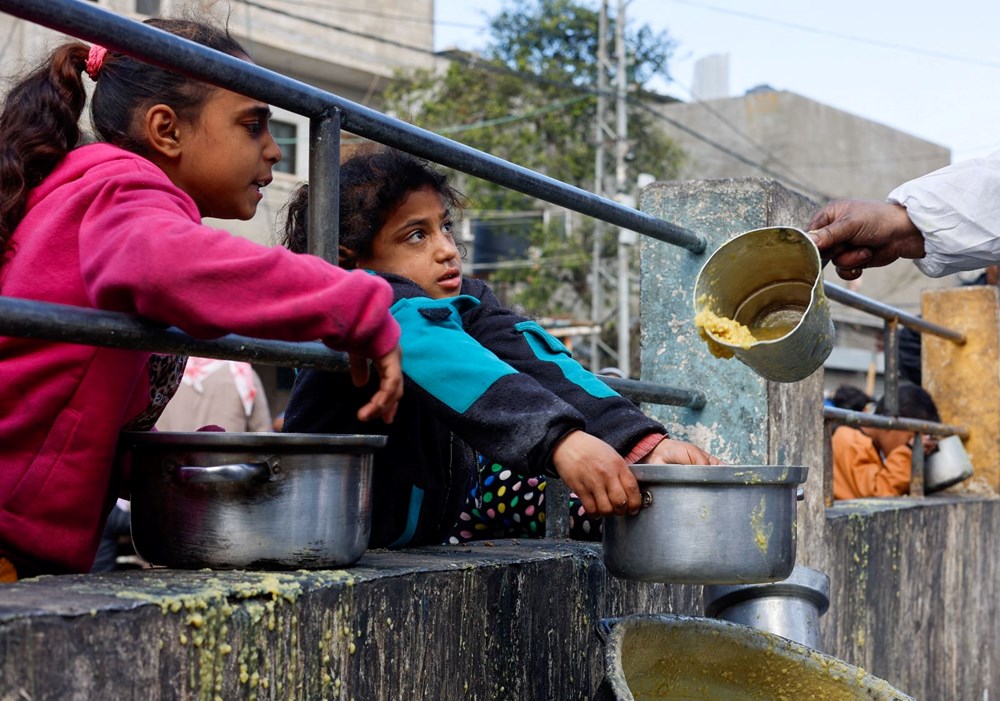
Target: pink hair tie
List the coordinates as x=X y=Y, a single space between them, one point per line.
x=95 y=59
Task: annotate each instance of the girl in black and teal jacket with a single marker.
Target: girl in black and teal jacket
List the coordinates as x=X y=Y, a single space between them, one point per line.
x=492 y=403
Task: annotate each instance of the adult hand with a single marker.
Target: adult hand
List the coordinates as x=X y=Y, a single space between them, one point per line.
x=597 y=474
x=671 y=452
x=855 y=234
x=385 y=401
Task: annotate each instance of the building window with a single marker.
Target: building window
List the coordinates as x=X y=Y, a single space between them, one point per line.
x=286 y=134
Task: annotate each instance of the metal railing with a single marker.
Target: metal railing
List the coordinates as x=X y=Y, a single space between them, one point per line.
x=893 y=318
x=328 y=114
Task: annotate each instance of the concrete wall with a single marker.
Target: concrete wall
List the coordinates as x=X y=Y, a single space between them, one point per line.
x=490 y=621
x=806 y=145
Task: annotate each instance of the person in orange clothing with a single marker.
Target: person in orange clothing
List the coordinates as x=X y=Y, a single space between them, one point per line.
x=876 y=462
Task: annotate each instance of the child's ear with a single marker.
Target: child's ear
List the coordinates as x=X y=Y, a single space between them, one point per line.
x=163 y=131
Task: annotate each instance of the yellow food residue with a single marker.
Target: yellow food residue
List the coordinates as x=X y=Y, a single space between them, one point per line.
x=714 y=328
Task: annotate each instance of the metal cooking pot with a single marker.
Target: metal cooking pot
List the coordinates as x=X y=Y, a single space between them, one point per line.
x=251 y=500
x=948 y=465
x=790 y=608
x=715 y=524
x=650 y=657
x=769 y=280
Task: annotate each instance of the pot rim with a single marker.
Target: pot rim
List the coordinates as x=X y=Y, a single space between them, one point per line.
x=268 y=441
x=749 y=475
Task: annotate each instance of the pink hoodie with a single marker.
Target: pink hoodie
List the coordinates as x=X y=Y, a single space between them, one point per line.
x=108 y=230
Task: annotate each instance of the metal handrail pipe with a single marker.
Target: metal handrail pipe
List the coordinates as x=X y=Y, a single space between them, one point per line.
x=92 y=23
x=861 y=418
x=68 y=324
x=64 y=323
x=887 y=312
x=653 y=393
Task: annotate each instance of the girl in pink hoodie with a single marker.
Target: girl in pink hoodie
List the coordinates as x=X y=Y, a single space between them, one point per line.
x=117 y=226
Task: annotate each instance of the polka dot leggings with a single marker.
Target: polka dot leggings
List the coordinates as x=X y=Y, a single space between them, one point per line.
x=504 y=504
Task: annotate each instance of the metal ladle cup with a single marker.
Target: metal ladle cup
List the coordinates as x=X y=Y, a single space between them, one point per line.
x=770 y=281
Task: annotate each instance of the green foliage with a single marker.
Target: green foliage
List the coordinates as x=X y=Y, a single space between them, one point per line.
x=531 y=99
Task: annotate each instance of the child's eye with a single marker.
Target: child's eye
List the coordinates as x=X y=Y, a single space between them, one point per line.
x=416 y=236
x=448 y=226
x=254 y=127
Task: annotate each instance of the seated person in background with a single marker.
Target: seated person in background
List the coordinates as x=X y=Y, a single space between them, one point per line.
x=876 y=462
x=493 y=404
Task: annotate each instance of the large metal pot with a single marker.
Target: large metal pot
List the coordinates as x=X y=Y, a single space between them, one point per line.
x=707 y=525
x=651 y=657
x=251 y=500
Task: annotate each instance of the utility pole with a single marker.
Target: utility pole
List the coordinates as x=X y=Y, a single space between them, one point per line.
x=626 y=238
x=601 y=132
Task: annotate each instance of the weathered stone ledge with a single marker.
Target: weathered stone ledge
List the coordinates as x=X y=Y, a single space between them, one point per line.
x=507 y=620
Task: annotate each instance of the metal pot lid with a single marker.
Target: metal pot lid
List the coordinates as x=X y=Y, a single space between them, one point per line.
x=262 y=441
x=719 y=474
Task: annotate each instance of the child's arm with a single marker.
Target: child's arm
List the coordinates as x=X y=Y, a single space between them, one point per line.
x=596 y=473
x=859 y=472
x=670 y=452
x=500 y=412
x=523 y=344
x=143 y=251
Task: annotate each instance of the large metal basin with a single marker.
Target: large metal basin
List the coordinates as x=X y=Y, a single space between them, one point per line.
x=251 y=500
x=707 y=525
x=686 y=659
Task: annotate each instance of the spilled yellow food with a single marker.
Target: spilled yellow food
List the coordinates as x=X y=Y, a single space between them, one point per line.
x=714 y=328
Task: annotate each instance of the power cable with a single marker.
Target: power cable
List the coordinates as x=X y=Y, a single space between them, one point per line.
x=840 y=35
x=464 y=58
x=545 y=109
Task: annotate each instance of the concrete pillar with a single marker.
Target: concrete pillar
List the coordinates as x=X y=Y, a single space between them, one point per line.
x=965 y=379
x=747 y=420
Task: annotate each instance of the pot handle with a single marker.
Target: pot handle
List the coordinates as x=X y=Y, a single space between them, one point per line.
x=222 y=474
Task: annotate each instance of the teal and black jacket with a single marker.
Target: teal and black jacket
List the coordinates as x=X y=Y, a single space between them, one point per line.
x=479 y=377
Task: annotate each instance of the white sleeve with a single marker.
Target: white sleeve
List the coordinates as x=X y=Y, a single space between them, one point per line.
x=957 y=208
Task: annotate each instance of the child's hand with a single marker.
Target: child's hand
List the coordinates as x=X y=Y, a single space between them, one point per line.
x=671 y=452
x=597 y=474
x=385 y=401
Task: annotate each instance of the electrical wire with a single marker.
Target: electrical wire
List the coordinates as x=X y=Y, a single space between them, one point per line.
x=477 y=62
x=840 y=35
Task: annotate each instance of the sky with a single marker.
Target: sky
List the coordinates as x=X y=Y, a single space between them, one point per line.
x=930 y=69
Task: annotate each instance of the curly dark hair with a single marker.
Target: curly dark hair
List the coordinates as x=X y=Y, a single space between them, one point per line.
x=39 y=120
x=374 y=182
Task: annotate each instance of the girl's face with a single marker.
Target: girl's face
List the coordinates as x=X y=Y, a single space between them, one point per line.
x=226 y=156
x=417 y=242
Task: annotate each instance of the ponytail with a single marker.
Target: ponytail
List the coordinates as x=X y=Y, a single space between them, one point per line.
x=39 y=125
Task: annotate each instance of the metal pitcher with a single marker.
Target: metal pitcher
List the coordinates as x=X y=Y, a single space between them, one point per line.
x=760 y=297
